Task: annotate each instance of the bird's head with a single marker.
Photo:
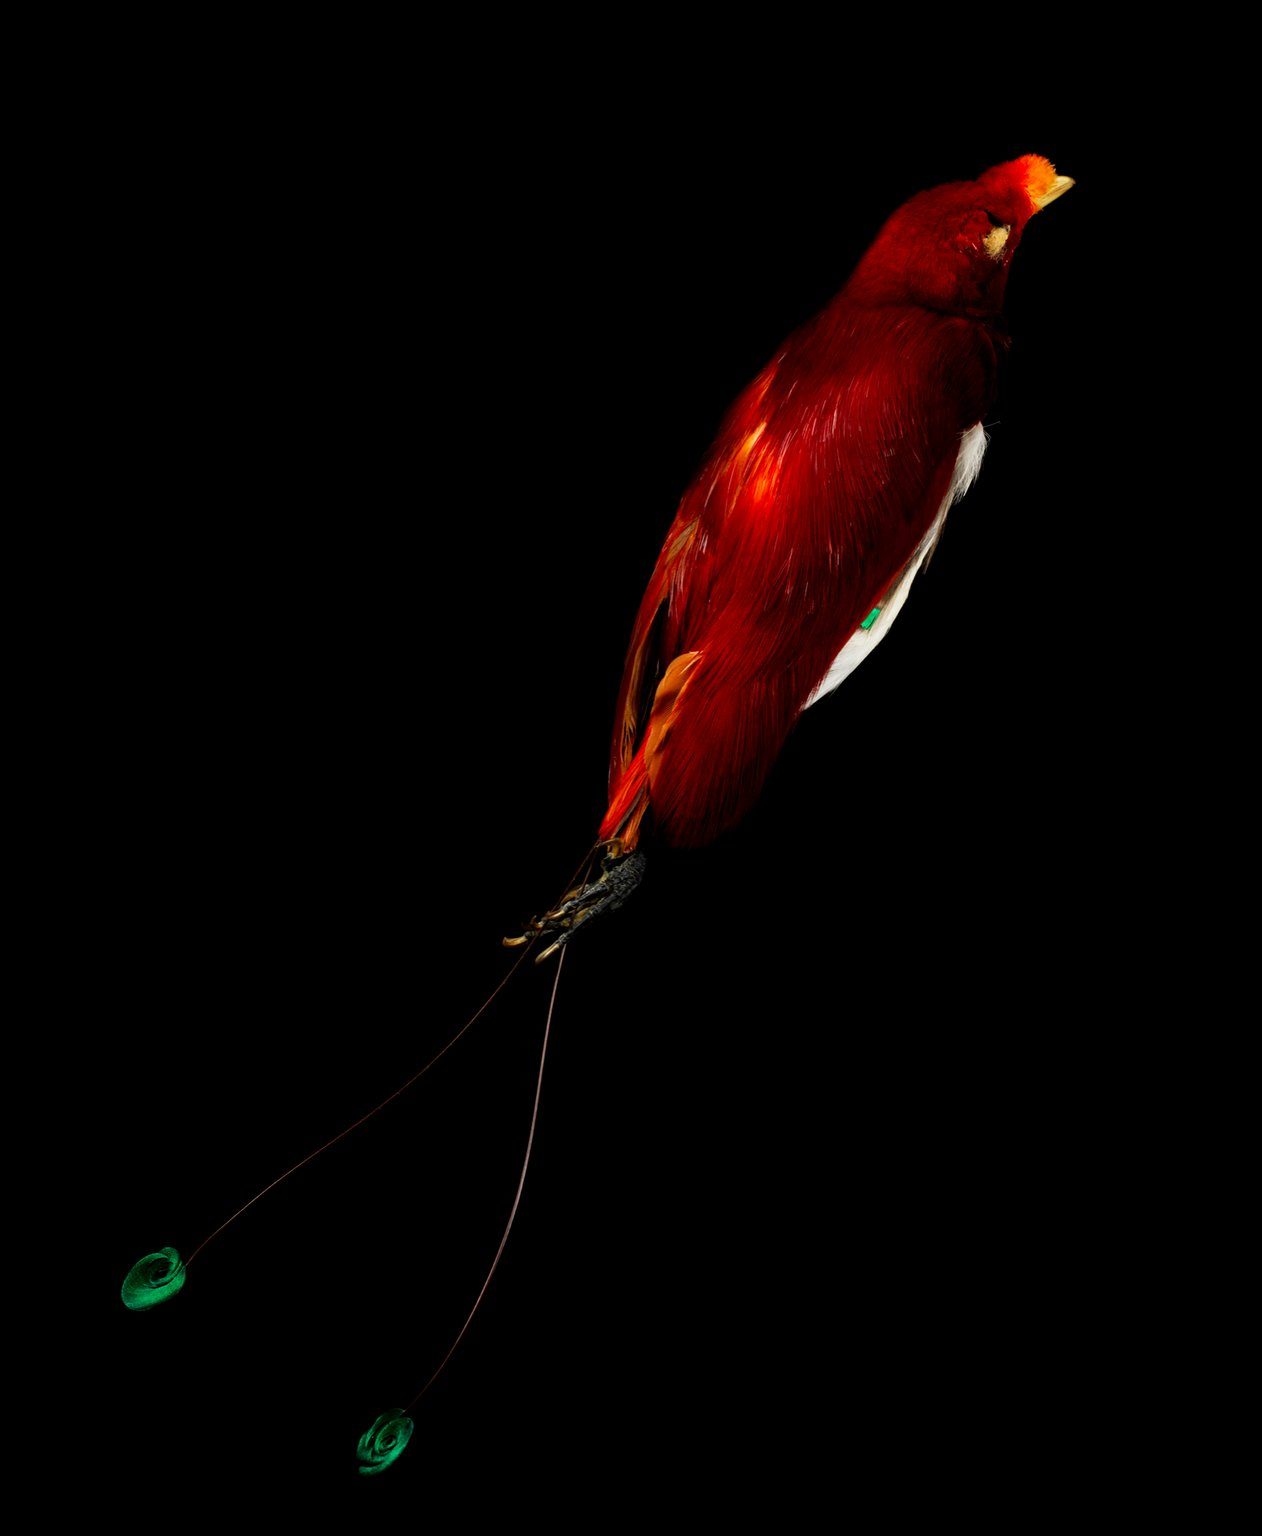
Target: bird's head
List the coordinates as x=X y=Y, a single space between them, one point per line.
x=950 y=248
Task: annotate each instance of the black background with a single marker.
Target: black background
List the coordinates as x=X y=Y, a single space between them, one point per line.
x=393 y=406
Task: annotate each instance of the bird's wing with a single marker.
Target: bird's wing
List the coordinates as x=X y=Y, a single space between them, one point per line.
x=678 y=589
x=819 y=489
x=646 y=658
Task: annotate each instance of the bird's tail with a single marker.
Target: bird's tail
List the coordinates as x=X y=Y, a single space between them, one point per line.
x=161 y=1275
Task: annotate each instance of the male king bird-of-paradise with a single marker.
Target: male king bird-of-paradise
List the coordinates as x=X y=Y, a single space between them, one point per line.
x=796 y=545
x=789 y=558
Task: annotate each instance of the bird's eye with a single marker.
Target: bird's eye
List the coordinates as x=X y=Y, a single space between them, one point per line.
x=995 y=223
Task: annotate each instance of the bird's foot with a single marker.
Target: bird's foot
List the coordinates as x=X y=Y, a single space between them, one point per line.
x=620 y=873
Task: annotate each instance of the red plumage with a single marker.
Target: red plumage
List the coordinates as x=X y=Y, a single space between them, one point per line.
x=826 y=475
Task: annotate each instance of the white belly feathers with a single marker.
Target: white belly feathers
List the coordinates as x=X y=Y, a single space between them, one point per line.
x=864 y=641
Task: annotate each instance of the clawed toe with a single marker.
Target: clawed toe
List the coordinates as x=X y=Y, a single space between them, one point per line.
x=620 y=873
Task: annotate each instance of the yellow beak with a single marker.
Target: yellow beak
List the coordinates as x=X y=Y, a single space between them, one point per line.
x=1059 y=186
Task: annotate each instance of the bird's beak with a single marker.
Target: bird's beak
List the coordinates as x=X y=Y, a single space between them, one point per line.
x=1058 y=186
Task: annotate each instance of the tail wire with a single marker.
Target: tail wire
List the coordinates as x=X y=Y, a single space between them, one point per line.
x=521 y=1184
x=354 y=1126
x=402 y=1088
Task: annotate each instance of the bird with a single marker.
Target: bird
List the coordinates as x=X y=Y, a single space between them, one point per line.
x=791 y=553
x=795 y=546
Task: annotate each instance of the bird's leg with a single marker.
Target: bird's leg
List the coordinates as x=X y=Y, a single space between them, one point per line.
x=620 y=873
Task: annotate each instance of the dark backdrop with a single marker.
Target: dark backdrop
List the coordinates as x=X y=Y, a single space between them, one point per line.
x=390 y=409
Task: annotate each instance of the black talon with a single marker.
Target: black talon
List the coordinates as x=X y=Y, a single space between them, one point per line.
x=620 y=873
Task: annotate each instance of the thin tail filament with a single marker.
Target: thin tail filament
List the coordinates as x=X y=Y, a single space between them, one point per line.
x=363 y=1119
x=521 y=1184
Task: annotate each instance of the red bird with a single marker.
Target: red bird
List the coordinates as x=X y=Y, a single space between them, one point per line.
x=789 y=558
x=795 y=547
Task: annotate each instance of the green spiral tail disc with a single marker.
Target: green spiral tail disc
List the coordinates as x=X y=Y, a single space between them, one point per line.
x=383 y=1443
x=157 y=1277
